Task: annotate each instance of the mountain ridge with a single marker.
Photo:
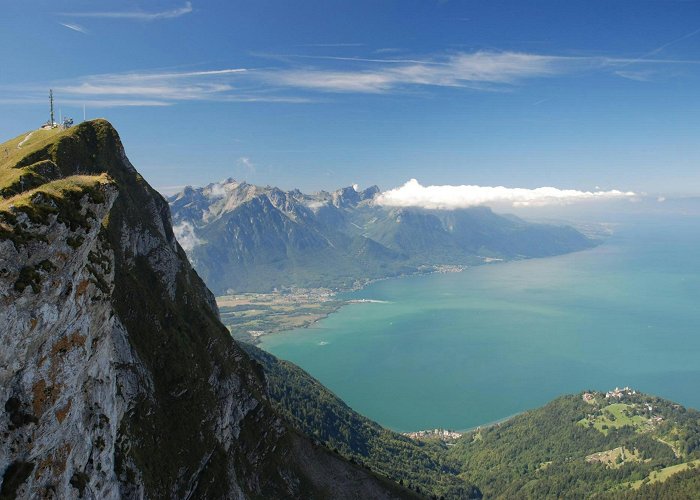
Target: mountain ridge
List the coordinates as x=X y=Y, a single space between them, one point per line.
x=242 y=237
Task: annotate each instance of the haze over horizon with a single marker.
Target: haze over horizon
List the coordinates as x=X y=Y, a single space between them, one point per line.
x=327 y=94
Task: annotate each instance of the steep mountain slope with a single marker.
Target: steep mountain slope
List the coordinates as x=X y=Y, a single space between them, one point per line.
x=628 y=445
x=247 y=238
x=116 y=376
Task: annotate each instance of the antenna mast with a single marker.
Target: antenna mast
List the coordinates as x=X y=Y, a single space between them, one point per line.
x=51 y=121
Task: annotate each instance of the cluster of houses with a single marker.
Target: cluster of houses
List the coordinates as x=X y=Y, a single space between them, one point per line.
x=66 y=123
x=620 y=393
x=617 y=393
x=441 y=434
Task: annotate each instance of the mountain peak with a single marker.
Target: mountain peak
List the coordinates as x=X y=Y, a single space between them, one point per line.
x=118 y=378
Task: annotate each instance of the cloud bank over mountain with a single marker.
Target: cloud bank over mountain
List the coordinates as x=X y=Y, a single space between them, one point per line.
x=413 y=194
x=185 y=234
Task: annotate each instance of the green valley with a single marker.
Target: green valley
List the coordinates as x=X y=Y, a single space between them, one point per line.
x=250 y=315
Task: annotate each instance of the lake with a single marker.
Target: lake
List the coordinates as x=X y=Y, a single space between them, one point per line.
x=465 y=349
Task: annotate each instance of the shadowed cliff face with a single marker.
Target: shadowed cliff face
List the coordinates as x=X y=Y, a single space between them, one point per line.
x=116 y=376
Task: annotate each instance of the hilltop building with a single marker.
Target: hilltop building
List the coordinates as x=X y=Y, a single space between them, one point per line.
x=64 y=122
x=620 y=393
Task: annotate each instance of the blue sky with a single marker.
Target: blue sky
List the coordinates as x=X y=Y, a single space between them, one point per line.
x=320 y=94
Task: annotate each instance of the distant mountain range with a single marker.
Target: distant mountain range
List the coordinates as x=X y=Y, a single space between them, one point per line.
x=249 y=238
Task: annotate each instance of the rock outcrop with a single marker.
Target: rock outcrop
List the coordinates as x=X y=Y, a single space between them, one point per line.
x=116 y=377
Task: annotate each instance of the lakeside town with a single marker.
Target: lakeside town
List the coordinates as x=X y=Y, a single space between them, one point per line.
x=445 y=435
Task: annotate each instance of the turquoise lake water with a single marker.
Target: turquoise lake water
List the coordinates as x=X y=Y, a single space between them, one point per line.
x=464 y=349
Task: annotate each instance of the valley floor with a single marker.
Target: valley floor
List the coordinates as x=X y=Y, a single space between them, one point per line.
x=248 y=316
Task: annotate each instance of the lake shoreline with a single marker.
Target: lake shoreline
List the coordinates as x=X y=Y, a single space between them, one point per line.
x=326 y=298
x=331 y=304
x=437 y=269
x=450 y=435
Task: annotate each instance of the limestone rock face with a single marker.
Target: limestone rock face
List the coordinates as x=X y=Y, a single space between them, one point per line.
x=60 y=362
x=116 y=377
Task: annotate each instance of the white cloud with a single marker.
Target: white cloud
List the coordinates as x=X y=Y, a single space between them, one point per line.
x=315 y=205
x=246 y=168
x=154 y=89
x=334 y=81
x=90 y=103
x=165 y=91
x=638 y=76
x=292 y=83
x=143 y=89
x=413 y=194
x=481 y=70
x=135 y=77
x=185 y=234
x=157 y=88
x=136 y=15
x=246 y=162
x=217 y=189
x=74 y=27
x=175 y=86
x=456 y=70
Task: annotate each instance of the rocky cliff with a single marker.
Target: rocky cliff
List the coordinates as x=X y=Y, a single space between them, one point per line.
x=116 y=377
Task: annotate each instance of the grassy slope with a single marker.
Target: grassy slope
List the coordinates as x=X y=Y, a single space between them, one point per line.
x=615 y=416
x=13 y=164
x=32 y=183
x=33 y=168
x=61 y=188
x=11 y=151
